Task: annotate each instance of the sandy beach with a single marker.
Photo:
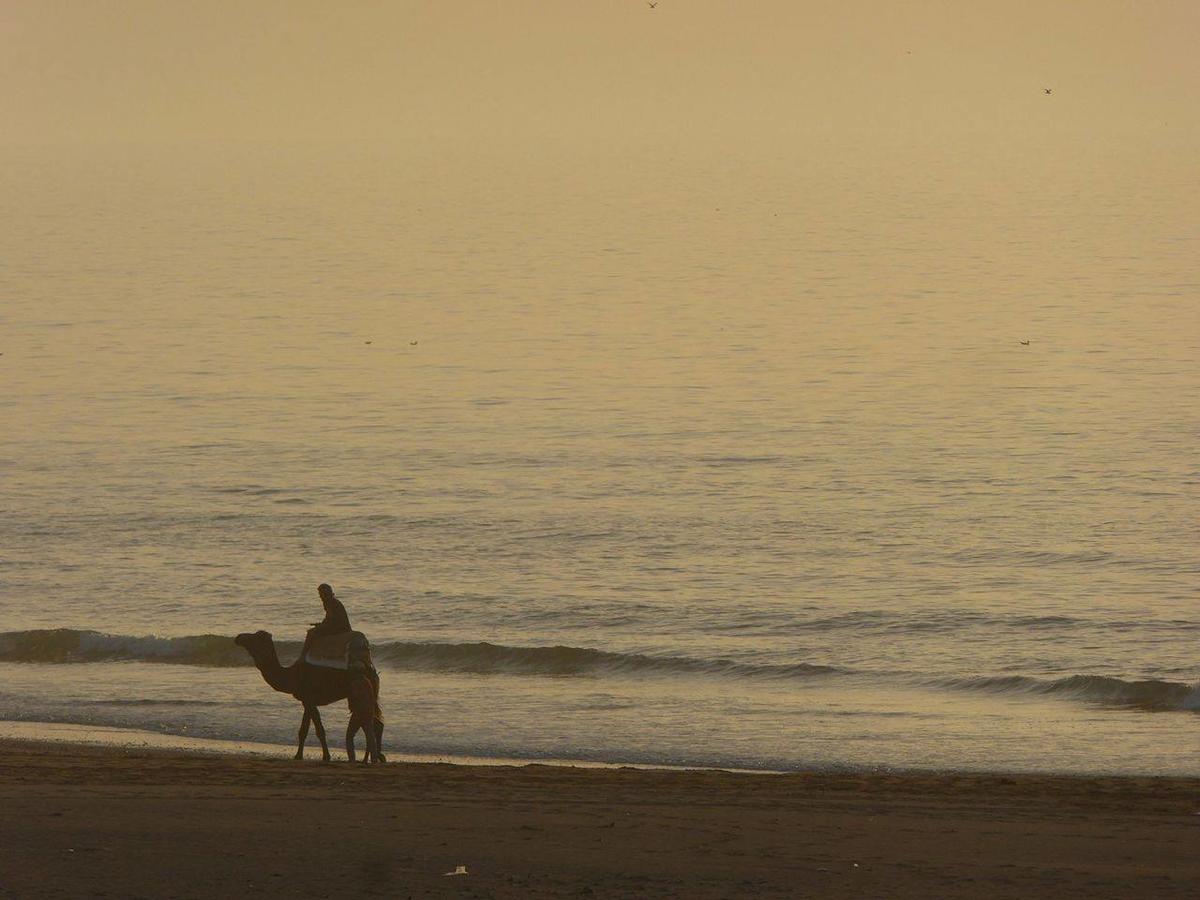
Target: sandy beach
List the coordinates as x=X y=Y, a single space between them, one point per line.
x=115 y=822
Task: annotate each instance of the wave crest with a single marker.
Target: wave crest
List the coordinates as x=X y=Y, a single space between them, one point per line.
x=485 y=658
x=1150 y=694
x=67 y=645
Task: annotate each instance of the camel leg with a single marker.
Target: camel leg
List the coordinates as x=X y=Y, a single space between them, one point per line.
x=350 y=731
x=320 y=726
x=303 y=733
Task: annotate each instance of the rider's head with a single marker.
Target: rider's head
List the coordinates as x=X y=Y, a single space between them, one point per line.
x=326 y=593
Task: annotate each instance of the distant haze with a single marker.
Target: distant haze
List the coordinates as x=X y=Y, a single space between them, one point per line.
x=616 y=70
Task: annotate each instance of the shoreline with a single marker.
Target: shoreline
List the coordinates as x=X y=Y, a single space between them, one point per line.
x=87 y=735
x=79 y=735
x=119 y=821
x=279 y=754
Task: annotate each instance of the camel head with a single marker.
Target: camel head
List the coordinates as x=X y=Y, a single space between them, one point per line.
x=254 y=642
x=261 y=647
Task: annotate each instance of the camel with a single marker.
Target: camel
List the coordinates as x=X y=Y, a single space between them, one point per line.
x=321 y=686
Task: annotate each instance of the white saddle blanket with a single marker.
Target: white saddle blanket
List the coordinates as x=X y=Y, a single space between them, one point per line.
x=332 y=650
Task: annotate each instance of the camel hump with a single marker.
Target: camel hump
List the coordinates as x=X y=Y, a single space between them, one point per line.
x=333 y=651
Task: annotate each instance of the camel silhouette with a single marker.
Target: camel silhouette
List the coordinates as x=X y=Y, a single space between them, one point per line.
x=313 y=686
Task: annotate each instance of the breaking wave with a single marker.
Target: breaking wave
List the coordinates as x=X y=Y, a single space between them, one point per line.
x=486 y=658
x=67 y=645
x=1150 y=694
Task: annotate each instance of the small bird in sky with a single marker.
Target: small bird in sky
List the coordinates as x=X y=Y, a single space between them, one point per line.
x=1047 y=91
x=1024 y=343
x=412 y=343
x=653 y=4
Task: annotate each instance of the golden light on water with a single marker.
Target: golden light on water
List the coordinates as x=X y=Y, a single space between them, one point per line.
x=801 y=334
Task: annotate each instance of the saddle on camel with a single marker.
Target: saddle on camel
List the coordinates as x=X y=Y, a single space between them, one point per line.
x=334 y=664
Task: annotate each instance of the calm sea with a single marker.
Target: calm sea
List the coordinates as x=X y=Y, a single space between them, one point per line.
x=681 y=455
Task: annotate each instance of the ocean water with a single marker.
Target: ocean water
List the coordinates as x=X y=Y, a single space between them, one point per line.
x=697 y=455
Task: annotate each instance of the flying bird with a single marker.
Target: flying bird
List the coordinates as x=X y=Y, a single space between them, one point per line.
x=1024 y=343
x=652 y=3
x=1047 y=91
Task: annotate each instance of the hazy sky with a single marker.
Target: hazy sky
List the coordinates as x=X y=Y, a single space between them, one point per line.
x=596 y=69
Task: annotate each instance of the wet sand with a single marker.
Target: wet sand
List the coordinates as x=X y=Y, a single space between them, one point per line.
x=112 y=822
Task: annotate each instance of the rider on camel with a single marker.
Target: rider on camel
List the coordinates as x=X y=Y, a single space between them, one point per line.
x=337 y=621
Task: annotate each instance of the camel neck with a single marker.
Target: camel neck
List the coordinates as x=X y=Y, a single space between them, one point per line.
x=273 y=673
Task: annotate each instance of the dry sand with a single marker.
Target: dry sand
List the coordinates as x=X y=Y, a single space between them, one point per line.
x=110 y=822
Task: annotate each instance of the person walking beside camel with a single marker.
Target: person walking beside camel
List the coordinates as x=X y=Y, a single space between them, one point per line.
x=363 y=697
